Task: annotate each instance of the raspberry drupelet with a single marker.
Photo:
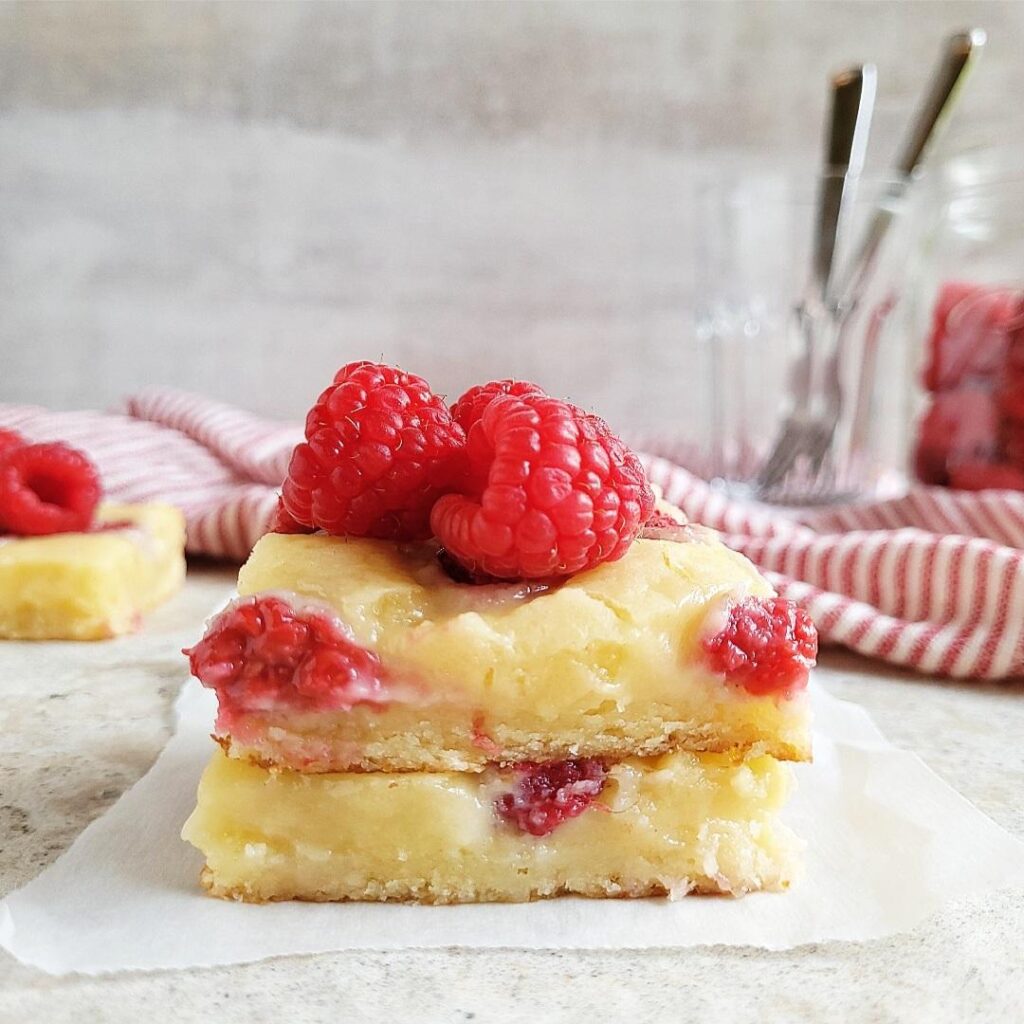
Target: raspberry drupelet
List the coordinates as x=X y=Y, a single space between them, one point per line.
x=282 y=522
x=470 y=407
x=548 y=491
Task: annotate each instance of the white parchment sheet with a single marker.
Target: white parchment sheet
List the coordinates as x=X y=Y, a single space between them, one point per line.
x=888 y=843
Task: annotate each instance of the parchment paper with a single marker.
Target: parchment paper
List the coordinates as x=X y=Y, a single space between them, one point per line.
x=888 y=844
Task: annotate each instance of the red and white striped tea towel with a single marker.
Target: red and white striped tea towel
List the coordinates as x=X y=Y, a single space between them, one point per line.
x=933 y=581
x=221 y=466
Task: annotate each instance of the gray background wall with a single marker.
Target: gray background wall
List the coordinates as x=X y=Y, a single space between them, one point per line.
x=236 y=198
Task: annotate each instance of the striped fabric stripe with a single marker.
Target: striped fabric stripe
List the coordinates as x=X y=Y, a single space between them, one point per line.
x=933 y=580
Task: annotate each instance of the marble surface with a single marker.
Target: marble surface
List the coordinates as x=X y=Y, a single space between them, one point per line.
x=73 y=740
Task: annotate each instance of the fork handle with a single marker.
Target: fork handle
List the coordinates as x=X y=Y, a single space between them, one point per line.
x=853 y=95
x=938 y=103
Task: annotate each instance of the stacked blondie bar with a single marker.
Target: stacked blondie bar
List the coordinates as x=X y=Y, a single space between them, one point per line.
x=449 y=714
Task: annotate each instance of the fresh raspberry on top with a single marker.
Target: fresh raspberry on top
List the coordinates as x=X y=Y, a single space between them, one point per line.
x=46 y=488
x=548 y=491
x=380 y=448
x=260 y=653
x=767 y=646
x=545 y=795
x=470 y=407
x=11 y=439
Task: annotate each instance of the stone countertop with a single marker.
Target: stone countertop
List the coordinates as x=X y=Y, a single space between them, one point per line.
x=72 y=741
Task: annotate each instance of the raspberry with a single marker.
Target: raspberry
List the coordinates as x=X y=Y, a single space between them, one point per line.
x=545 y=795
x=1015 y=336
x=982 y=476
x=470 y=407
x=260 y=653
x=10 y=439
x=969 y=334
x=959 y=426
x=46 y=488
x=548 y=491
x=1011 y=396
x=282 y=522
x=1012 y=435
x=380 y=448
x=767 y=646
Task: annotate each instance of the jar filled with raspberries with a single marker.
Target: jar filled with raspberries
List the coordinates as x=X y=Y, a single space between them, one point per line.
x=968 y=424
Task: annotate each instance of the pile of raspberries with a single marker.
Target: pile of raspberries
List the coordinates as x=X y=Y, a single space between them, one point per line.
x=513 y=483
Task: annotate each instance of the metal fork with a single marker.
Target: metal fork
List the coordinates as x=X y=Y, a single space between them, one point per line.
x=810 y=443
x=803 y=434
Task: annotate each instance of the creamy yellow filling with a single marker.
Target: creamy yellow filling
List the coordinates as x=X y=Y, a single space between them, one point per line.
x=664 y=825
x=87 y=586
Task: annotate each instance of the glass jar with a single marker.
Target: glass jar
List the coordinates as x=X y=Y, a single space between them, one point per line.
x=967 y=312
x=753 y=262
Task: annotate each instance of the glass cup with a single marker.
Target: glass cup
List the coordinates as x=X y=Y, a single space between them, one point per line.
x=753 y=268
